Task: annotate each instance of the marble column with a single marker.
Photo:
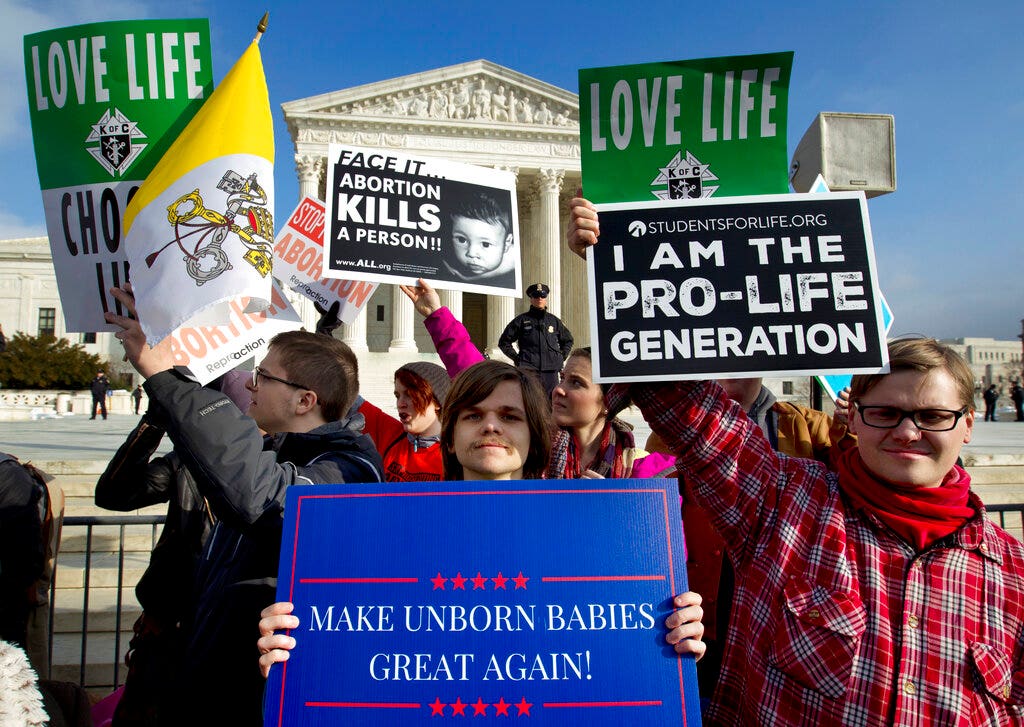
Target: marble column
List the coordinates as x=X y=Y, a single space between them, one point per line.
x=549 y=240
x=309 y=168
x=452 y=299
x=354 y=333
x=403 y=318
x=500 y=310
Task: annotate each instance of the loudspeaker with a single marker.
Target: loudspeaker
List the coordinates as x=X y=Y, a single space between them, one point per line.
x=850 y=151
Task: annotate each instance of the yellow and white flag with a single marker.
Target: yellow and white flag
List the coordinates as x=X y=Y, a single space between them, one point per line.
x=200 y=230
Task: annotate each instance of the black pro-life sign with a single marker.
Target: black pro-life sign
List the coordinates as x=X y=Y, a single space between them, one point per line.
x=739 y=286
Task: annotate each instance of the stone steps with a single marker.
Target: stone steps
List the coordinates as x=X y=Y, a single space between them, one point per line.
x=99 y=662
x=67 y=617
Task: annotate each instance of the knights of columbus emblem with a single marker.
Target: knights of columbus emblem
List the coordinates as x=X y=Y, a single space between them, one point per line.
x=684 y=179
x=117 y=137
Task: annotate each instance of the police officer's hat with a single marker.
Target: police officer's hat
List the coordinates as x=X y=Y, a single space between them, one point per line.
x=538 y=290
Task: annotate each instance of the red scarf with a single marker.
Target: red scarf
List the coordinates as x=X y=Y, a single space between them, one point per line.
x=609 y=462
x=920 y=515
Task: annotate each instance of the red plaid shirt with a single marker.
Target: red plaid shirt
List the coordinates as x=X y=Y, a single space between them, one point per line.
x=835 y=619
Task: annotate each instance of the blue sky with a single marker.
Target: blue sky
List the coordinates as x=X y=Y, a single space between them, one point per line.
x=949 y=255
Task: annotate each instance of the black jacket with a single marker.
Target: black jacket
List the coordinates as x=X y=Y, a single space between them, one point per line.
x=244 y=477
x=134 y=479
x=22 y=552
x=544 y=341
x=98 y=386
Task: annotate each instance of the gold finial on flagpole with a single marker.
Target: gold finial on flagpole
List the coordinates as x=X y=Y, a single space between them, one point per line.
x=261 y=27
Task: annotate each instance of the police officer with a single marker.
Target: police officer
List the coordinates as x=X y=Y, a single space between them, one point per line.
x=543 y=340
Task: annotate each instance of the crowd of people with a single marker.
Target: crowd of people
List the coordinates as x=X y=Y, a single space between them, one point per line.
x=842 y=570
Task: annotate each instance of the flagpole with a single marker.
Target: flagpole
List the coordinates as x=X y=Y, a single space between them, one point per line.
x=261 y=27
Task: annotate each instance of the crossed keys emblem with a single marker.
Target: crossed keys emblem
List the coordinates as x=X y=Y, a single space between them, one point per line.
x=194 y=223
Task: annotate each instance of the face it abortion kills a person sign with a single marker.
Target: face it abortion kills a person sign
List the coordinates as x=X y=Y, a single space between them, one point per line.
x=488 y=600
x=393 y=218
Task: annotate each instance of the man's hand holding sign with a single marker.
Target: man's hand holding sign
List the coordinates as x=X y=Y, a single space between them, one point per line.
x=733 y=287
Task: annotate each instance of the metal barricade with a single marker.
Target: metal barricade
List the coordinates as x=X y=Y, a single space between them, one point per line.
x=1013 y=525
x=1009 y=516
x=90 y=523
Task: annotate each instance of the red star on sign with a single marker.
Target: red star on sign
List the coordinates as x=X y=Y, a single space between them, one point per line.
x=520 y=581
x=479 y=707
x=459 y=707
x=524 y=707
x=499 y=581
x=479 y=582
x=501 y=707
x=458 y=582
x=438 y=581
x=436 y=707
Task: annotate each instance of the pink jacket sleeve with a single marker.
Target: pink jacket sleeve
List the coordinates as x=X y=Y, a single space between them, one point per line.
x=451 y=339
x=653 y=465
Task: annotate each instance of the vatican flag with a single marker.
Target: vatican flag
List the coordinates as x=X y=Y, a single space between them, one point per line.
x=200 y=230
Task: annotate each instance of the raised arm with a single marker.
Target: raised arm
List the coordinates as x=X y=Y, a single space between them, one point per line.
x=134 y=478
x=223 y=448
x=450 y=337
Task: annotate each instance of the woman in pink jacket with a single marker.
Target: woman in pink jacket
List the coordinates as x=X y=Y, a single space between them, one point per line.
x=590 y=441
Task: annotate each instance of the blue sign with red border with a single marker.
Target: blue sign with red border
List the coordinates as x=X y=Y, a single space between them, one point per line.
x=535 y=602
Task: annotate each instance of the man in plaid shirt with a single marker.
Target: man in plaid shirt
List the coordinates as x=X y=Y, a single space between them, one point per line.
x=876 y=594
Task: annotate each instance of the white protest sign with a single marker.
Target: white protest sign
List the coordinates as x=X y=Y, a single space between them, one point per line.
x=299 y=263
x=210 y=351
x=393 y=218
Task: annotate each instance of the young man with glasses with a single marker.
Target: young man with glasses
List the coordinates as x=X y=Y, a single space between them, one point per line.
x=879 y=593
x=301 y=393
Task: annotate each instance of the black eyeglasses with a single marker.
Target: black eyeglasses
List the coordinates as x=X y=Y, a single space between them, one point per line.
x=928 y=420
x=258 y=372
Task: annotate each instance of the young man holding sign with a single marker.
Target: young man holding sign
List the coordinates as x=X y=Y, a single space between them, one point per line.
x=876 y=594
x=300 y=394
x=496 y=425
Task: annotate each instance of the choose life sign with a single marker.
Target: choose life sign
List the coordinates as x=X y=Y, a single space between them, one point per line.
x=736 y=287
x=685 y=129
x=106 y=100
x=539 y=600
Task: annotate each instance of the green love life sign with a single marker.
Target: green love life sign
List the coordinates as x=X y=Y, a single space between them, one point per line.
x=685 y=129
x=106 y=100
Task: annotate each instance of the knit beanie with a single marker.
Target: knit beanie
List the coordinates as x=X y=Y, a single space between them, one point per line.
x=434 y=375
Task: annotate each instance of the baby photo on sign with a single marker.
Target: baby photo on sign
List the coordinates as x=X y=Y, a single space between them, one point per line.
x=394 y=218
x=481 y=245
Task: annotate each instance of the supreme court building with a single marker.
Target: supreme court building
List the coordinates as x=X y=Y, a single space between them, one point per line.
x=476 y=113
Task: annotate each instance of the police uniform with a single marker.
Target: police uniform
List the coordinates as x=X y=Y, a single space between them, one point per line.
x=543 y=341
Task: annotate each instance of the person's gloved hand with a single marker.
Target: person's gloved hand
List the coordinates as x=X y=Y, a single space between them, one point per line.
x=329 y=320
